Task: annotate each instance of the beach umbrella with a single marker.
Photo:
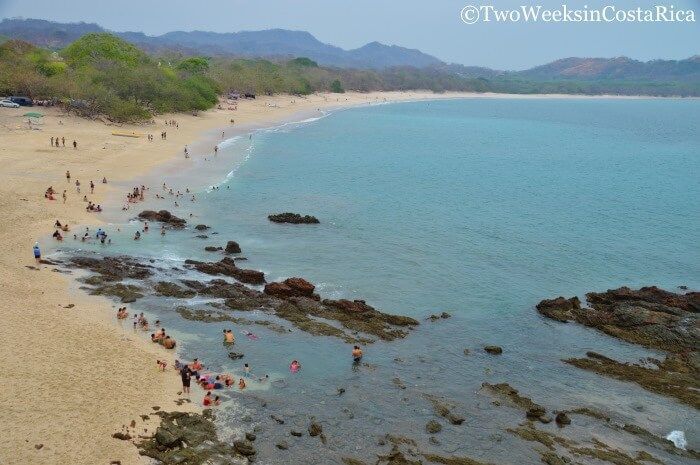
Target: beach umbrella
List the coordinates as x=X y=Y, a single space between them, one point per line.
x=33 y=114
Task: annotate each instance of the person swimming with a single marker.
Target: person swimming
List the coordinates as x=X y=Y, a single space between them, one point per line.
x=294 y=366
x=241 y=384
x=229 y=337
x=250 y=335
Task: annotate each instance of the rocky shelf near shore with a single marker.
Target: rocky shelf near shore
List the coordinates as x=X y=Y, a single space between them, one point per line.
x=293 y=218
x=650 y=317
x=293 y=299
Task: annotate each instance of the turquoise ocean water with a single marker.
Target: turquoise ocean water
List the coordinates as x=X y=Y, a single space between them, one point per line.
x=478 y=207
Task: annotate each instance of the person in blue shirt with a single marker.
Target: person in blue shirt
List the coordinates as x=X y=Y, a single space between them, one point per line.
x=37 y=252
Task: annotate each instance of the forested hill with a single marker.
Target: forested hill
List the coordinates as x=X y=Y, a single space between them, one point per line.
x=101 y=74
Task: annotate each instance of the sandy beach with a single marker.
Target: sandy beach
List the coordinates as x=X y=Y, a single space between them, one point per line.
x=71 y=375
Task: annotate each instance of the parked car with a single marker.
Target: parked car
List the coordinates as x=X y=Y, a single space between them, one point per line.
x=22 y=101
x=8 y=103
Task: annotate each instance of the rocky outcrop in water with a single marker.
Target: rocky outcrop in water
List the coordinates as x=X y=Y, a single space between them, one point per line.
x=227 y=267
x=292 y=287
x=163 y=216
x=650 y=317
x=293 y=218
x=232 y=247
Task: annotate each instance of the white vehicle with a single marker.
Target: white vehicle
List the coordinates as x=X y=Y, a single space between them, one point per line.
x=8 y=104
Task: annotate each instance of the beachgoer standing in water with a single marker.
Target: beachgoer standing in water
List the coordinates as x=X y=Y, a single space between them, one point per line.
x=357 y=354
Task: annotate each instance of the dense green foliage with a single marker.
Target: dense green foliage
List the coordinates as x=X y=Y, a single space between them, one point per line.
x=100 y=74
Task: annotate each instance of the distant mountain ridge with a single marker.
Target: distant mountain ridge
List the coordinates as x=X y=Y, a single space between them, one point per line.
x=282 y=43
x=271 y=43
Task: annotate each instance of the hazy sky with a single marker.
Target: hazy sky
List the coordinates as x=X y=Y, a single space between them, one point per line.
x=432 y=26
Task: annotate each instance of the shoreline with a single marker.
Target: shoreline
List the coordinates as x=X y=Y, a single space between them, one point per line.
x=82 y=361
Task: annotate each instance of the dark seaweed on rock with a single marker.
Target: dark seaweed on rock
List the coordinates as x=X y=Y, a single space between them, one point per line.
x=293 y=218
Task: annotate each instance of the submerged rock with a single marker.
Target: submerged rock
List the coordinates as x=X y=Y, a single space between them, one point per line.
x=562 y=419
x=505 y=391
x=127 y=293
x=433 y=427
x=163 y=216
x=201 y=227
x=293 y=218
x=211 y=248
x=168 y=289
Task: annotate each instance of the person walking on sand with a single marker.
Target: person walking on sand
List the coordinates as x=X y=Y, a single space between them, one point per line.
x=75 y=145
x=63 y=141
x=64 y=196
x=216 y=149
x=187 y=152
x=52 y=141
x=92 y=187
x=68 y=176
x=37 y=252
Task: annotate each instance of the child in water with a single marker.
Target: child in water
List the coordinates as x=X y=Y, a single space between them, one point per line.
x=294 y=366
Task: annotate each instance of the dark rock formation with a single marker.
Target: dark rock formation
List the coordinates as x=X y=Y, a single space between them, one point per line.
x=292 y=287
x=232 y=247
x=293 y=218
x=201 y=227
x=650 y=316
x=113 y=268
x=127 y=293
x=211 y=248
x=559 y=309
x=163 y=216
x=315 y=428
x=197 y=432
x=493 y=350
x=244 y=447
x=562 y=419
x=227 y=267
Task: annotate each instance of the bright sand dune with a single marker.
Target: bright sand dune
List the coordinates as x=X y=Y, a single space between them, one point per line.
x=71 y=377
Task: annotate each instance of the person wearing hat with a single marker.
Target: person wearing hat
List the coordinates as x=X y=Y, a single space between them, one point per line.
x=37 y=252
